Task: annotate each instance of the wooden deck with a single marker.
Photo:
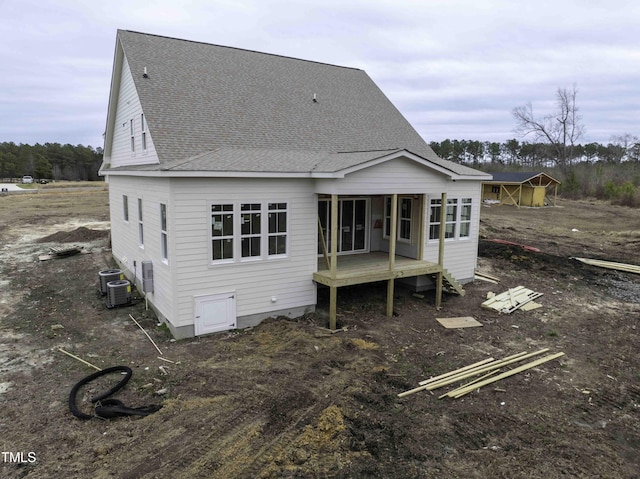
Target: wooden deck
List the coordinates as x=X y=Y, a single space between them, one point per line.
x=370 y=267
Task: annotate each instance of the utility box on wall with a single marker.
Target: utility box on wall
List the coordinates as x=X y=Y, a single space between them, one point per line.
x=147 y=276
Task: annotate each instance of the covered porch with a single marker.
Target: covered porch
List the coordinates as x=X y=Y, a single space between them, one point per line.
x=336 y=270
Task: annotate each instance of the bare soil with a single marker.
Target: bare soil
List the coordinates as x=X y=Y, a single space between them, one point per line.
x=288 y=399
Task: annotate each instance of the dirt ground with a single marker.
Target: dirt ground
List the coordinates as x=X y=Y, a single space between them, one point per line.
x=288 y=399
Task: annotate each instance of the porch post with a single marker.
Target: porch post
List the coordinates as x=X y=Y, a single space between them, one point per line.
x=392 y=252
x=333 y=290
x=443 y=224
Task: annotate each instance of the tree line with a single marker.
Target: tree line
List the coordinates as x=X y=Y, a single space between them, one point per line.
x=51 y=161
x=521 y=154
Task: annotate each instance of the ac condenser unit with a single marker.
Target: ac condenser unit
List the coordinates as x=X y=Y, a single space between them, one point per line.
x=118 y=293
x=108 y=275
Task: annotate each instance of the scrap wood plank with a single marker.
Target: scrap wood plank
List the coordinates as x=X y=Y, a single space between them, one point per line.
x=629 y=268
x=459 y=322
x=510 y=300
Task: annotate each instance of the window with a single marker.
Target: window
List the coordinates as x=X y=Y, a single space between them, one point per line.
x=435 y=210
x=143 y=126
x=133 y=138
x=163 y=232
x=250 y=219
x=277 y=229
x=405 y=212
x=465 y=217
x=457 y=218
x=404 y=231
x=451 y=218
x=125 y=207
x=140 y=224
x=222 y=232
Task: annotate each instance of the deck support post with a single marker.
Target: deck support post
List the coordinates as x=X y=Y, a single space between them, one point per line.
x=333 y=292
x=443 y=224
x=392 y=252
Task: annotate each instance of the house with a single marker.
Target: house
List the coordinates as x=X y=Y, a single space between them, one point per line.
x=244 y=181
x=521 y=189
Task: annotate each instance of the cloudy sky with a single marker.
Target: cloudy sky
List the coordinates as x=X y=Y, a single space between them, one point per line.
x=454 y=68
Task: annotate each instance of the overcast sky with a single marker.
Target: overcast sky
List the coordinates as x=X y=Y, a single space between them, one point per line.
x=454 y=68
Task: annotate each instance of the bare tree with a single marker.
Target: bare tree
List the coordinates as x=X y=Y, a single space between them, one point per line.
x=561 y=129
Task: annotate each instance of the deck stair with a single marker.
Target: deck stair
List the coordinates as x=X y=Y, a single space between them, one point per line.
x=449 y=283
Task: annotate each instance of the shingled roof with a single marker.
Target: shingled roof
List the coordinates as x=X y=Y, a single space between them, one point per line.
x=201 y=100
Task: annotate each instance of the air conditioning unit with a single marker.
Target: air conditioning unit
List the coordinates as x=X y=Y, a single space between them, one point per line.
x=118 y=293
x=108 y=275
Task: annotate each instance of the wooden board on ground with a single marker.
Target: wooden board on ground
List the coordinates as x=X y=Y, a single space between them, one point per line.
x=629 y=268
x=510 y=300
x=459 y=322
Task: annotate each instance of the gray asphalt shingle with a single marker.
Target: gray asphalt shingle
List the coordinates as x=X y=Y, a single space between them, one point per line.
x=202 y=101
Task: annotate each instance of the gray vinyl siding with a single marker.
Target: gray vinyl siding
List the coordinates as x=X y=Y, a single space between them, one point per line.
x=129 y=108
x=125 y=240
x=255 y=282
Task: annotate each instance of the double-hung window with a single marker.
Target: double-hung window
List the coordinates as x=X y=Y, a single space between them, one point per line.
x=457 y=218
x=222 y=232
x=277 y=229
x=465 y=218
x=132 y=135
x=125 y=208
x=140 y=224
x=143 y=126
x=404 y=219
x=250 y=227
x=163 y=233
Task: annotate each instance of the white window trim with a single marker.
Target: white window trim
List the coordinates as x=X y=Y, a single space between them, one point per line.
x=125 y=208
x=164 y=235
x=140 y=223
x=233 y=236
x=385 y=233
x=132 y=131
x=268 y=235
x=264 y=232
x=457 y=222
x=143 y=135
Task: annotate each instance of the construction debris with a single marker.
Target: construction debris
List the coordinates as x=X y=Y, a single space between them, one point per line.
x=487 y=367
x=512 y=299
x=629 y=268
x=60 y=253
x=486 y=277
x=511 y=243
x=459 y=322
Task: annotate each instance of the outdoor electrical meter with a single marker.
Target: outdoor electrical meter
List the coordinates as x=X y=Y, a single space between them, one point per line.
x=147 y=276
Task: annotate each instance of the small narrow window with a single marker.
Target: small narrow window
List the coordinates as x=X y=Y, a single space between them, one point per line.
x=163 y=232
x=277 y=229
x=221 y=232
x=144 y=132
x=250 y=222
x=451 y=219
x=404 y=219
x=125 y=207
x=140 y=224
x=435 y=210
x=133 y=138
x=387 y=217
x=465 y=217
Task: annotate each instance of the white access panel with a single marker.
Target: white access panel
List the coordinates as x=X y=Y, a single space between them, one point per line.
x=214 y=313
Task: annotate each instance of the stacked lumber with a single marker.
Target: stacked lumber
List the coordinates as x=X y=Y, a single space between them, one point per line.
x=512 y=299
x=486 y=368
x=629 y=268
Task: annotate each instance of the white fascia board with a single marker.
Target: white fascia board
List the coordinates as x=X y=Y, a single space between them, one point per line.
x=204 y=174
